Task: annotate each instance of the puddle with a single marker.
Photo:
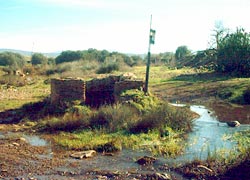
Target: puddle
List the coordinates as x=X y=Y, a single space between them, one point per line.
x=35 y=140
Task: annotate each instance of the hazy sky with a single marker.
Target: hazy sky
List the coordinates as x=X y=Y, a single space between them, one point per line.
x=116 y=25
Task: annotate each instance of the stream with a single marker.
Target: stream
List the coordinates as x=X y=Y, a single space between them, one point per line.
x=208 y=136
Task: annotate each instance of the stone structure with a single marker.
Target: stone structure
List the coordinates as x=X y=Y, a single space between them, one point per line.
x=95 y=92
x=63 y=90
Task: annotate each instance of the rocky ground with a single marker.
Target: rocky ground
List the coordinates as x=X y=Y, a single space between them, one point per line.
x=21 y=160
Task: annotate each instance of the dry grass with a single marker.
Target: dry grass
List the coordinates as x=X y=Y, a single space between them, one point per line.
x=14 y=97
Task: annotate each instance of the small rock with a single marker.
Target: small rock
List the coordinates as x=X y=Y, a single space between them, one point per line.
x=84 y=154
x=15 y=144
x=233 y=123
x=146 y=160
x=22 y=139
x=31 y=178
x=108 y=154
x=161 y=176
x=101 y=177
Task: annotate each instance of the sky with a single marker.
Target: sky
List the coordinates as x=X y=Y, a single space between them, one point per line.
x=116 y=25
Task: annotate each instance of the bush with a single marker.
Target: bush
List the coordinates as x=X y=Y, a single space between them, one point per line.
x=113 y=118
x=13 y=80
x=38 y=58
x=58 y=69
x=108 y=68
x=234 y=53
x=246 y=96
x=164 y=115
x=64 y=124
x=13 y=60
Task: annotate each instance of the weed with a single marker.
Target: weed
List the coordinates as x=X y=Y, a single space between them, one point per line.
x=103 y=142
x=164 y=115
x=66 y=124
x=113 y=117
x=138 y=100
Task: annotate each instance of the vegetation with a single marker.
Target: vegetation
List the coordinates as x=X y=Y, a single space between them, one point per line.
x=38 y=58
x=95 y=55
x=115 y=122
x=12 y=61
x=233 y=53
x=181 y=52
x=108 y=68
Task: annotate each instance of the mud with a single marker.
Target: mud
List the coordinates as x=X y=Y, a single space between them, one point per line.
x=25 y=157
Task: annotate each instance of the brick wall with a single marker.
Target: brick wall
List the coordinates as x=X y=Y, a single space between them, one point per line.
x=67 y=90
x=101 y=91
x=94 y=93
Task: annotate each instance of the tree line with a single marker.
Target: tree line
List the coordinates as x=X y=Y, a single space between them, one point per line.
x=230 y=54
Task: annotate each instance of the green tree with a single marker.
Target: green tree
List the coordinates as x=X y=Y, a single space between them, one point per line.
x=51 y=61
x=233 y=54
x=38 y=58
x=167 y=57
x=69 y=56
x=181 y=52
x=13 y=60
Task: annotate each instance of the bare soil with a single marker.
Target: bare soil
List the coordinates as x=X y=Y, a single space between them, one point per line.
x=21 y=160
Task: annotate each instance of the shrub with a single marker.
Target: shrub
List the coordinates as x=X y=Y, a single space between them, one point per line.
x=109 y=147
x=13 y=80
x=13 y=60
x=164 y=115
x=246 y=96
x=233 y=53
x=113 y=118
x=42 y=109
x=39 y=58
x=108 y=68
x=63 y=124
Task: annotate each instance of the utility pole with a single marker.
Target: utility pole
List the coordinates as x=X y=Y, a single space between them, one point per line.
x=151 y=41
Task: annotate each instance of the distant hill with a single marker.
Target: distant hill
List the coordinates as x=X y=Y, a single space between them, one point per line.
x=29 y=53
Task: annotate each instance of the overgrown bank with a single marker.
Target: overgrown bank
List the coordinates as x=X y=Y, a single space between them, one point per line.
x=224 y=164
x=141 y=122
